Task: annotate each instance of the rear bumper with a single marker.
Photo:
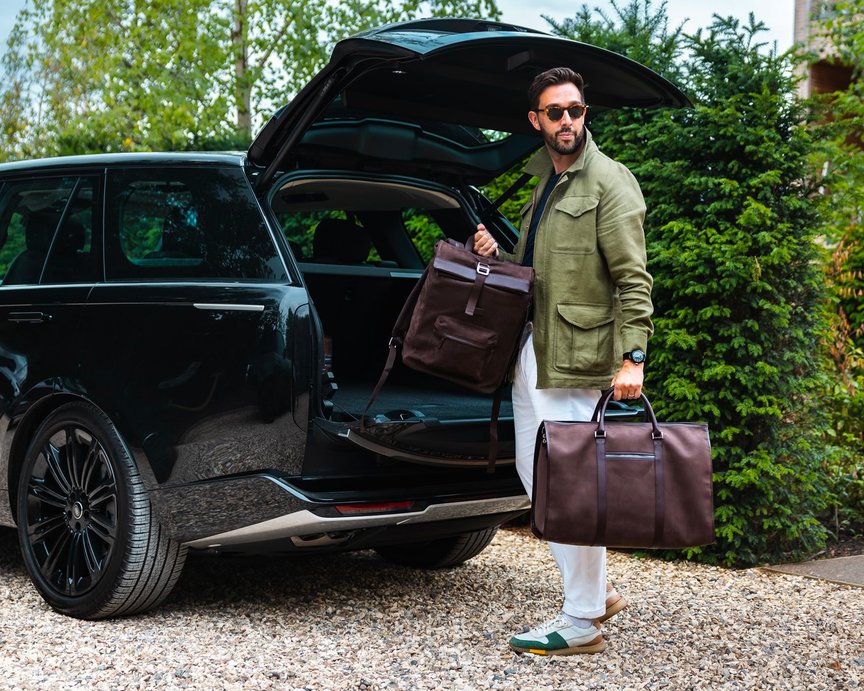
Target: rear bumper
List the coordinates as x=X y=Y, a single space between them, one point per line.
x=299 y=524
x=267 y=511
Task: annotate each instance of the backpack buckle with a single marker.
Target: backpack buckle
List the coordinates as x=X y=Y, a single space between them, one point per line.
x=482 y=269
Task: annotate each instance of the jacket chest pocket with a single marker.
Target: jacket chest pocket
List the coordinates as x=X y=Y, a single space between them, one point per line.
x=572 y=225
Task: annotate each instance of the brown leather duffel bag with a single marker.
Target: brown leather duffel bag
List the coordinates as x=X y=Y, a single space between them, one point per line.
x=623 y=484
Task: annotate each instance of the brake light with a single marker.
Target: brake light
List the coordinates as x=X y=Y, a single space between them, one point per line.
x=383 y=507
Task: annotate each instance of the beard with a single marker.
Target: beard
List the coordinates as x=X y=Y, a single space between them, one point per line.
x=565 y=149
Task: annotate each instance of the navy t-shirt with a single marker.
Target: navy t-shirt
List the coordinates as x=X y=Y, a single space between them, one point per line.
x=536 y=214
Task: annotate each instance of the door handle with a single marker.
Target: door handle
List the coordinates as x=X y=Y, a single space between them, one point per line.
x=29 y=317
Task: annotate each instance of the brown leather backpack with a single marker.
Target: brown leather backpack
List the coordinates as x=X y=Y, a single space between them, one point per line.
x=463 y=322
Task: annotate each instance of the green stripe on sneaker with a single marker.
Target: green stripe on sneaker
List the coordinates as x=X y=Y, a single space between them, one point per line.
x=554 y=642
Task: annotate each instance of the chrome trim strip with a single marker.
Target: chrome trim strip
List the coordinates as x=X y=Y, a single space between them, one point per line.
x=227 y=307
x=307 y=523
x=398 y=454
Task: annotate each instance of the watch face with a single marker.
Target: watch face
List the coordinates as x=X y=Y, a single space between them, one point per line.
x=637 y=356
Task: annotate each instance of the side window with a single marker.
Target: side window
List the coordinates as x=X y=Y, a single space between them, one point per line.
x=29 y=214
x=187 y=224
x=72 y=258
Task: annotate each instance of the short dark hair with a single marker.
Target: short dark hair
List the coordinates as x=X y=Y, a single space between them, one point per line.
x=557 y=75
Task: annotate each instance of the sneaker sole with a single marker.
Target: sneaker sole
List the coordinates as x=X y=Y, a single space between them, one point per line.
x=598 y=645
x=613 y=609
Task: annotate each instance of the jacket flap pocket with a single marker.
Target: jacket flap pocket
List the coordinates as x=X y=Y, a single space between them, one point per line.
x=586 y=316
x=576 y=206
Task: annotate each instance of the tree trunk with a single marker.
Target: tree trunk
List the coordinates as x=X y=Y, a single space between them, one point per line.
x=243 y=83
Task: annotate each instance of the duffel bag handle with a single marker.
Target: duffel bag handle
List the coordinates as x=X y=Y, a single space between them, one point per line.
x=600 y=414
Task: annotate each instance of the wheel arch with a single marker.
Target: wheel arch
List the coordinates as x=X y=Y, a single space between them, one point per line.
x=90 y=540
x=26 y=427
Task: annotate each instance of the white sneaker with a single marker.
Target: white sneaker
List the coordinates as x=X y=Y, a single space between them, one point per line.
x=615 y=602
x=559 y=637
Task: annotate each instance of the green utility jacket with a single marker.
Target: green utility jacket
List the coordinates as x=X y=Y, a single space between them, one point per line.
x=592 y=291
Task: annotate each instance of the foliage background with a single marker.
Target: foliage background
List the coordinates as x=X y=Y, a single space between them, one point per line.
x=85 y=76
x=759 y=273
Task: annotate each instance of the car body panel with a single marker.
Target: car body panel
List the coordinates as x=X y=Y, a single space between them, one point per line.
x=210 y=383
x=197 y=375
x=40 y=346
x=207 y=375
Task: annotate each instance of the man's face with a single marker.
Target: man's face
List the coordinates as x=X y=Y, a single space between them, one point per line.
x=566 y=135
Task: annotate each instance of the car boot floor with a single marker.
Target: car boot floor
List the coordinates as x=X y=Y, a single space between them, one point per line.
x=438 y=403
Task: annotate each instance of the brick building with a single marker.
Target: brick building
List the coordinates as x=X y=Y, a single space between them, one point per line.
x=827 y=74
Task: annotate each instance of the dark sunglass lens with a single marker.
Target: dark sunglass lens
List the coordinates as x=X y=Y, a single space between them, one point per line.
x=576 y=111
x=554 y=113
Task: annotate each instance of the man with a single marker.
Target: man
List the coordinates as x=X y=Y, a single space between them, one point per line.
x=582 y=233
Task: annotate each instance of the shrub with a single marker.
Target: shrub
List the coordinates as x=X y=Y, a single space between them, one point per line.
x=738 y=285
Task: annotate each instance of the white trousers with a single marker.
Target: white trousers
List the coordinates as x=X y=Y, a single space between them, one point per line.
x=583 y=569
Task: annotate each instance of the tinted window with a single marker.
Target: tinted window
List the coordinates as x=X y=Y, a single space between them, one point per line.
x=29 y=214
x=387 y=222
x=178 y=224
x=72 y=258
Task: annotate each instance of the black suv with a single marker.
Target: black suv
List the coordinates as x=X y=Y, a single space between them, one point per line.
x=187 y=341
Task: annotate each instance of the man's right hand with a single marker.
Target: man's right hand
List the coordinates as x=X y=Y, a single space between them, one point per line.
x=484 y=243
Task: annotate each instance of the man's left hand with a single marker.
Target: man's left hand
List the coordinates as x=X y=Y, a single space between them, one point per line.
x=628 y=382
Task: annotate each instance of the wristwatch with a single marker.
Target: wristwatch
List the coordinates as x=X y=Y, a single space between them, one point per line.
x=637 y=356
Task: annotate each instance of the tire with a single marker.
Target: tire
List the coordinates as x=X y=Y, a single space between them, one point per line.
x=440 y=553
x=90 y=541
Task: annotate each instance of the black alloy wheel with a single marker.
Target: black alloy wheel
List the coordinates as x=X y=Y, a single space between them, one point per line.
x=87 y=535
x=72 y=510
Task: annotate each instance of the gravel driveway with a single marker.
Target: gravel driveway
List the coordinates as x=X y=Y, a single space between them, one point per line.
x=354 y=622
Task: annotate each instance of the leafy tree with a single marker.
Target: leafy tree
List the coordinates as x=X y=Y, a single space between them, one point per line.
x=840 y=35
x=109 y=75
x=640 y=30
x=15 y=100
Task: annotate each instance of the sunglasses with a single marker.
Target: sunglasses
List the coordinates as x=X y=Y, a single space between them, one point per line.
x=555 y=113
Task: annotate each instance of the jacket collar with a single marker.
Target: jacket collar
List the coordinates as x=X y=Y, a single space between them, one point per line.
x=540 y=164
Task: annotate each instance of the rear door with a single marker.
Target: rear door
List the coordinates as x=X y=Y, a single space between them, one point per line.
x=197 y=327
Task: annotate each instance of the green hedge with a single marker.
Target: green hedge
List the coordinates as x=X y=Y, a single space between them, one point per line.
x=739 y=291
